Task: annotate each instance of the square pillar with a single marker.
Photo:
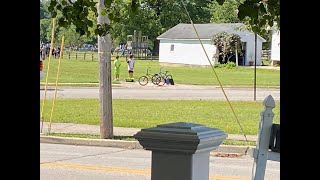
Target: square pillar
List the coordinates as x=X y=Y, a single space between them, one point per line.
x=180 y=151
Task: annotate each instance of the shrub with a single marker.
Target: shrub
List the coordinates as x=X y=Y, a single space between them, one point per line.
x=230 y=65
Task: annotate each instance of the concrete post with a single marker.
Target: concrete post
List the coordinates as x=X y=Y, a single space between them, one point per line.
x=180 y=151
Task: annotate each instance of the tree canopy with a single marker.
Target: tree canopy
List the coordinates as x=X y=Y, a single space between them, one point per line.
x=225 y=13
x=261 y=13
x=153 y=17
x=226 y=42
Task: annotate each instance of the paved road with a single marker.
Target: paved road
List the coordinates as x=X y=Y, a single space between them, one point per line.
x=177 y=92
x=66 y=162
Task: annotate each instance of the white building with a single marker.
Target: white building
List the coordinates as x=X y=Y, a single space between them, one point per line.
x=275 y=47
x=180 y=45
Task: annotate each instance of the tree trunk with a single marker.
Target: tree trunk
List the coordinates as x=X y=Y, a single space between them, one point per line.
x=236 y=56
x=216 y=56
x=224 y=52
x=105 y=84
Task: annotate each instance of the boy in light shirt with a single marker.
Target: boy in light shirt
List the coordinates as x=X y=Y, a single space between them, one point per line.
x=130 y=62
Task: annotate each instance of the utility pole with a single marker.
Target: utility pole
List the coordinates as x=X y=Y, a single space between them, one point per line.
x=105 y=84
x=255 y=67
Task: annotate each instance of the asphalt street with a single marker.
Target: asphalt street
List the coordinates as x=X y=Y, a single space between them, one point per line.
x=165 y=93
x=68 y=162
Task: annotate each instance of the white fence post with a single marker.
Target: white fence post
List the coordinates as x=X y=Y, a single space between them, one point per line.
x=260 y=153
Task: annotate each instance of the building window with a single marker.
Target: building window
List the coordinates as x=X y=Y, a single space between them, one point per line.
x=172 y=47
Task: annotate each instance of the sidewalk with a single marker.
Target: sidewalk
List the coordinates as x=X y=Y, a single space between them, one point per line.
x=73 y=128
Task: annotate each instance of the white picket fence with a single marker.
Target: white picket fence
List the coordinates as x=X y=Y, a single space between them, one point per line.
x=268 y=143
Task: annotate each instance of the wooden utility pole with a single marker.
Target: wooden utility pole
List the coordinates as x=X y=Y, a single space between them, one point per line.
x=105 y=84
x=255 y=67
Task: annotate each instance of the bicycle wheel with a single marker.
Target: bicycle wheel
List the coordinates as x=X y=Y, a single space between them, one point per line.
x=160 y=81
x=143 y=80
x=154 y=79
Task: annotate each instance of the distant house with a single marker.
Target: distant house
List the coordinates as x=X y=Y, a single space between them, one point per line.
x=180 y=45
x=275 y=47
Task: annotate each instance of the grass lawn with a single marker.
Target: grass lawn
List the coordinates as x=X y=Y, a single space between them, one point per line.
x=86 y=71
x=149 y=113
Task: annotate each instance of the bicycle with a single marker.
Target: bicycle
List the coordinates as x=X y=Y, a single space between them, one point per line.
x=162 y=78
x=143 y=80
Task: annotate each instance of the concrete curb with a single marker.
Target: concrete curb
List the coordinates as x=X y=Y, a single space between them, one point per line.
x=91 y=142
x=244 y=150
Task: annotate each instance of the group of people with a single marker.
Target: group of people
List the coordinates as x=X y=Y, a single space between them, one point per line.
x=117 y=63
x=46 y=49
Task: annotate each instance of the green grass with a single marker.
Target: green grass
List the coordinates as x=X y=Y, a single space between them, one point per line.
x=131 y=138
x=149 y=113
x=86 y=71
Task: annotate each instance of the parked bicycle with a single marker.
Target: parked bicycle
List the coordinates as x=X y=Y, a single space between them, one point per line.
x=162 y=78
x=143 y=80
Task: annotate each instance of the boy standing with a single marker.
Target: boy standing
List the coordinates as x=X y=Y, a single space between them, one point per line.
x=117 y=65
x=130 y=66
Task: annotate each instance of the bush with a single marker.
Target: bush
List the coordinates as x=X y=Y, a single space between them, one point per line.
x=230 y=65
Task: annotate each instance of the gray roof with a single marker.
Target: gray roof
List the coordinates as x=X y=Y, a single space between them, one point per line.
x=205 y=31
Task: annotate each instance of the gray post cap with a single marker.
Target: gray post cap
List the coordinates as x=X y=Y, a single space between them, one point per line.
x=180 y=137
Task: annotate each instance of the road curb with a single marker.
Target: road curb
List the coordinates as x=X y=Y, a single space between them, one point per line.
x=90 y=142
x=244 y=150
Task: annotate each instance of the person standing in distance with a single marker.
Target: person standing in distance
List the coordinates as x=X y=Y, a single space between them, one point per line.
x=117 y=65
x=130 y=62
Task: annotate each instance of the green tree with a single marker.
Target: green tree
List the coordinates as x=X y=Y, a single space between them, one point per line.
x=168 y=12
x=143 y=19
x=154 y=17
x=71 y=37
x=231 y=10
x=44 y=24
x=225 y=43
x=171 y=12
x=260 y=13
x=44 y=14
x=225 y=13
